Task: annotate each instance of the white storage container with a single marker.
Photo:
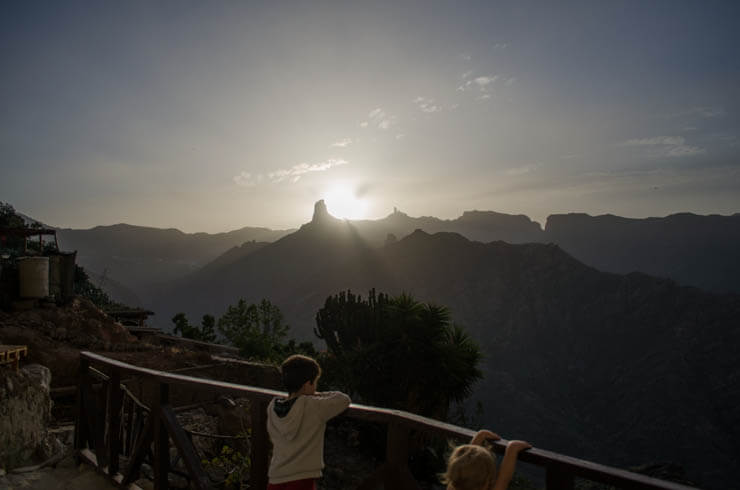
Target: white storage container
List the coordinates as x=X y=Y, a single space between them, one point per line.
x=33 y=276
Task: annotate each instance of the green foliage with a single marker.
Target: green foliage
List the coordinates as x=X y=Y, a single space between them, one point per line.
x=233 y=464
x=85 y=288
x=205 y=332
x=256 y=329
x=397 y=352
x=11 y=245
x=259 y=331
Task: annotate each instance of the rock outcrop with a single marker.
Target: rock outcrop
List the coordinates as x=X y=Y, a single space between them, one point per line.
x=25 y=409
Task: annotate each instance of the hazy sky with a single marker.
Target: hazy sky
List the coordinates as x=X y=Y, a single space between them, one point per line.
x=210 y=116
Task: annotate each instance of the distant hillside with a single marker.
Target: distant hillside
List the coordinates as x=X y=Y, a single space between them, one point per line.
x=115 y=290
x=483 y=226
x=620 y=369
x=702 y=251
x=230 y=257
x=141 y=257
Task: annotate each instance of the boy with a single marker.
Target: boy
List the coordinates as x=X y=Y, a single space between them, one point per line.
x=296 y=426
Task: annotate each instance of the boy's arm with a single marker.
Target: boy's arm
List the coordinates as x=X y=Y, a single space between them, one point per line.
x=506 y=470
x=331 y=403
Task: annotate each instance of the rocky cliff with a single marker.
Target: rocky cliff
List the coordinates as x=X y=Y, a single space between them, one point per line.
x=621 y=369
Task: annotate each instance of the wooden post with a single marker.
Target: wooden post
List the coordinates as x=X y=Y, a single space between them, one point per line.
x=397 y=473
x=141 y=450
x=161 y=440
x=260 y=445
x=129 y=427
x=198 y=477
x=115 y=402
x=81 y=433
x=557 y=478
x=96 y=414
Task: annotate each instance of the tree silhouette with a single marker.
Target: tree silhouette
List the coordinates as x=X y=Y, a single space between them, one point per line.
x=204 y=333
x=257 y=330
x=397 y=352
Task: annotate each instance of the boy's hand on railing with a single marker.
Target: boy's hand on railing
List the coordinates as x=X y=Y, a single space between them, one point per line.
x=484 y=435
x=517 y=446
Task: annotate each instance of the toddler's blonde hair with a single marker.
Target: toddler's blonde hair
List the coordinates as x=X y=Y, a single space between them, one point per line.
x=470 y=467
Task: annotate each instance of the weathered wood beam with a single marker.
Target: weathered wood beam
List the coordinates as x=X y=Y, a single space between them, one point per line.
x=81 y=432
x=141 y=448
x=161 y=440
x=259 y=445
x=185 y=449
x=558 y=478
x=259 y=398
x=115 y=404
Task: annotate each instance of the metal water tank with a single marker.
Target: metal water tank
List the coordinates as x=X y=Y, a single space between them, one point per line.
x=33 y=276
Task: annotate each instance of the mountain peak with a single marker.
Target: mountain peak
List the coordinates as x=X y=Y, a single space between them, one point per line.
x=320 y=213
x=322 y=217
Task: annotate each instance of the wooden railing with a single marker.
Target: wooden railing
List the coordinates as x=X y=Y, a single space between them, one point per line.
x=112 y=423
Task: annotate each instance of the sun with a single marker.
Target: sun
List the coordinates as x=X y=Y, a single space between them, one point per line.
x=342 y=202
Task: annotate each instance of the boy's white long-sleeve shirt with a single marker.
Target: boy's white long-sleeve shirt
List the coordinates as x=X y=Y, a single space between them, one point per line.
x=298 y=436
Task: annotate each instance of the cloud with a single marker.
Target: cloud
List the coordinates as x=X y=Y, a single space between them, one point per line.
x=426 y=105
x=685 y=151
x=386 y=123
x=292 y=174
x=245 y=179
x=706 y=112
x=485 y=81
x=709 y=111
x=656 y=140
x=375 y=113
x=524 y=169
x=500 y=45
x=666 y=146
x=295 y=172
x=466 y=56
x=482 y=83
x=380 y=119
x=343 y=143
x=511 y=81
x=466 y=74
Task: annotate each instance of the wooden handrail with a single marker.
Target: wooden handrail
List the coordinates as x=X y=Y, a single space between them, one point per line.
x=561 y=470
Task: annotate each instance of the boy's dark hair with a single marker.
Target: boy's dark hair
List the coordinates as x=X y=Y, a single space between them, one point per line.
x=298 y=369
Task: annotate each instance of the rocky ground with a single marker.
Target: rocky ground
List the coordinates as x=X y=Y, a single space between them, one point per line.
x=65 y=476
x=55 y=335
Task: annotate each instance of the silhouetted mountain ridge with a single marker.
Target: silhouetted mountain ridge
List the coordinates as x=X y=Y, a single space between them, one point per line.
x=622 y=369
x=140 y=257
x=694 y=250
x=702 y=251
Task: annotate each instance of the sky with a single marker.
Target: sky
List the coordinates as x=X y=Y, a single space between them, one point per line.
x=212 y=116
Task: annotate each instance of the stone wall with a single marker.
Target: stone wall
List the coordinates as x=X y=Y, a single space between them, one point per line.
x=25 y=410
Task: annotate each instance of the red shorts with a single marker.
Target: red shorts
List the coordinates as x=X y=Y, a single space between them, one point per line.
x=307 y=484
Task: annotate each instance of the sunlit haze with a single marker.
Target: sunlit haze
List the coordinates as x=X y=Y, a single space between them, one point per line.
x=211 y=116
x=343 y=202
